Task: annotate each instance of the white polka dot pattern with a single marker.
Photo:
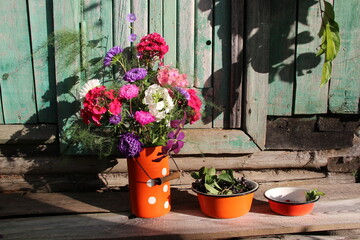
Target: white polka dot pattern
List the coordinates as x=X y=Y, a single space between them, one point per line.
x=152 y=200
x=166 y=205
x=150 y=183
x=164 y=171
x=165 y=188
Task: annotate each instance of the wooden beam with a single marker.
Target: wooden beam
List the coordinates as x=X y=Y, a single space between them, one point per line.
x=28 y=134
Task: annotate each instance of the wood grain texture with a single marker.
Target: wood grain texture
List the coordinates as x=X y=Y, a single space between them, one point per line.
x=221 y=63
x=35 y=134
x=186 y=38
x=310 y=98
x=344 y=93
x=67 y=17
x=257 y=70
x=141 y=10
x=17 y=84
x=41 y=27
x=185 y=221
x=156 y=16
x=121 y=30
x=170 y=30
x=237 y=62
x=282 y=57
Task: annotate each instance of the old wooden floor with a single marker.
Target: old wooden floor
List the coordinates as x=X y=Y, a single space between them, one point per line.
x=106 y=215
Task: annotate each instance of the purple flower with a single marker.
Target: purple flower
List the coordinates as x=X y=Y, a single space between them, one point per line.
x=129 y=145
x=110 y=54
x=135 y=74
x=115 y=119
x=183 y=92
x=131 y=17
x=132 y=37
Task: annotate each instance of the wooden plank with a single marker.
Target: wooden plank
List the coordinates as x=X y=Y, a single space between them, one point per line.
x=309 y=96
x=237 y=62
x=17 y=84
x=97 y=32
x=282 y=57
x=66 y=18
x=184 y=223
x=257 y=70
x=121 y=26
x=221 y=64
x=170 y=30
x=35 y=134
x=300 y=134
x=344 y=91
x=40 y=17
x=186 y=38
x=341 y=123
x=203 y=43
x=156 y=16
x=140 y=8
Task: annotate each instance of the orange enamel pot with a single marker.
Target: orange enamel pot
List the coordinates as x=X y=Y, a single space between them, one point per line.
x=147 y=198
x=226 y=206
x=289 y=201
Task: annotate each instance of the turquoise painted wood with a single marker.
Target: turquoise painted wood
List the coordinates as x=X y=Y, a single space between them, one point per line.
x=40 y=15
x=310 y=98
x=170 y=30
x=282 y=57
x=16 y=66
x=345 y=84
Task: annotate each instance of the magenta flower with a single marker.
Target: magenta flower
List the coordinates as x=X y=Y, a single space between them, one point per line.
x=131 y=17
x=144 y=118
x=129 y=91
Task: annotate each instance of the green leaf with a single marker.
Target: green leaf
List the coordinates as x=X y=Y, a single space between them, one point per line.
x=211 y=189
x=326 y=73
x=195 y=175
x=329 y=10
x=313 y=194
x=226 y=177
x=332 y=42
x=209 y=179
x=211 y=171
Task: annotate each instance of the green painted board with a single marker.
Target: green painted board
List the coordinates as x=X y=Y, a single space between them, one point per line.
x=310 y=98
x=221 y=62
x=67 y=17
x=185 y=38
x=203 y=43
x=121 y=26
x=156 y=16
x=40 y=16
x=17 y=82
x=140 y=8
x=257 y=72
x=282 y=57
x=97 y=33
x=169 y=31
x=345 y=83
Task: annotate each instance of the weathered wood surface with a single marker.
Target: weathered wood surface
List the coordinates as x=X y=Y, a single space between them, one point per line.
x=302 y=134
x=28 y=134
x=257 y=69
x=17 y=79
x=310 y=98
x=106 y=216
x=344 y=92
x=282 y=57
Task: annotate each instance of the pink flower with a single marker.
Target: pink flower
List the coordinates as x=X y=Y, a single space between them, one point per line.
x=171 y=76
x=195 y=104
x=152 y=47
x=144 y=118
x=115 y=107
x=129 y=91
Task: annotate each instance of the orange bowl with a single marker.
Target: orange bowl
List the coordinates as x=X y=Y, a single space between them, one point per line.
x=289 y=201
x=226 y=206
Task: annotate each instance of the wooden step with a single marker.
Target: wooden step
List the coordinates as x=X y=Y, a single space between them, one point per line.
x=106 y=215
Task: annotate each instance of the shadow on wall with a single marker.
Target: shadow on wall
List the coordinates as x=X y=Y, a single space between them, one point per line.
x=269 y=43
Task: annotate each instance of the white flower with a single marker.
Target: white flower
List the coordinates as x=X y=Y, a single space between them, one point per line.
x=93 y=83
x=159 y=101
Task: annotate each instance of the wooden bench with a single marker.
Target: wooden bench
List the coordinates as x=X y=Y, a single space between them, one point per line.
x=106 y=215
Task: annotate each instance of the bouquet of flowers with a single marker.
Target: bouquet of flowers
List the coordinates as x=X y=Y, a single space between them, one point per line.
x=145 y=104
